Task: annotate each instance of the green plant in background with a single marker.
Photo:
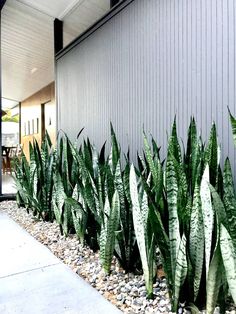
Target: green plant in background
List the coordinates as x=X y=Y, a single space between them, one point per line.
x=23 y=181
x=34 y=179
x=7 y=117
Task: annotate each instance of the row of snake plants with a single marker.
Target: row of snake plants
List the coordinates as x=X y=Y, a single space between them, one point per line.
x=185 y=206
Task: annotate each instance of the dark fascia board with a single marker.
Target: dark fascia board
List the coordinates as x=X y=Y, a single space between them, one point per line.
x=58 y=35
x=104 y=19
x=2 y=2
x=113 y=3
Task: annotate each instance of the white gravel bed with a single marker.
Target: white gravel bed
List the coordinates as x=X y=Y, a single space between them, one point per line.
x=126 y=291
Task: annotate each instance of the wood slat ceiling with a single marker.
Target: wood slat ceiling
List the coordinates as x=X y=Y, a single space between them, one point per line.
x=27 y=39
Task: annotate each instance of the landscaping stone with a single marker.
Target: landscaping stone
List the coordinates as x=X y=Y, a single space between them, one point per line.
x=126 y=291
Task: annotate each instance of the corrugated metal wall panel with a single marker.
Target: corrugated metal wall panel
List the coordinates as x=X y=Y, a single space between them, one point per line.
x=155 y=59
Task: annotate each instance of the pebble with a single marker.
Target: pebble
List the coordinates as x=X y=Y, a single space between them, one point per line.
x=126 y=291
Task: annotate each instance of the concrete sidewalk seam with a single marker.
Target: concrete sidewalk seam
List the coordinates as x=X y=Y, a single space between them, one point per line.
x=29 y=270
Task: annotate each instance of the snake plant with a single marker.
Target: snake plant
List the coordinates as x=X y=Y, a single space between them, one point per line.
x=184 y=204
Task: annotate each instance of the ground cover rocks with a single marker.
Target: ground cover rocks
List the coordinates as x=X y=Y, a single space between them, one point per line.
x=126 y=291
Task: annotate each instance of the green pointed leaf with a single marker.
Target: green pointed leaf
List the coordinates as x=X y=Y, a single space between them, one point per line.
x=233 y=125
x=229 y=260
x=208 y=216
x=149 y=157
x=180 y=272
x=212 y=155
x=173 y=146
x=230 y=200
x=214 y=281
x=139 y=218
x=219 y=207
x=172 y=200
x=196 y=240
x=108 y=231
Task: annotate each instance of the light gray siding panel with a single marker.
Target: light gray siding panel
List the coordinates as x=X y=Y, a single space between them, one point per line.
x=155 y=59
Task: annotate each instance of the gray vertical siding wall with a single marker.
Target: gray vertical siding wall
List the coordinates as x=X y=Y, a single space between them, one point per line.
x=155 y=59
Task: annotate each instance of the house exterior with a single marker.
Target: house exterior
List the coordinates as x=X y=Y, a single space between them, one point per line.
x=144 y=62
x=151 y=61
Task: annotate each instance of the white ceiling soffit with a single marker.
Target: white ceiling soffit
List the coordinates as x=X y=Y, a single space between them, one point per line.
x=8 y=104
x=27 y=50
x=27 y=39
x=77 y=15
x=83 y=15
x=54 y=8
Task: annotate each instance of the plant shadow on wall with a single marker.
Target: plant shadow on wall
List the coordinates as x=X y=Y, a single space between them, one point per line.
x=183 y=207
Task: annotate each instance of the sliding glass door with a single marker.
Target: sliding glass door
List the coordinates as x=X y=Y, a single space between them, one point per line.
x=10 y=135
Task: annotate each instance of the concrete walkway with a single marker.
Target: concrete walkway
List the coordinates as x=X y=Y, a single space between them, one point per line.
x=34 y=281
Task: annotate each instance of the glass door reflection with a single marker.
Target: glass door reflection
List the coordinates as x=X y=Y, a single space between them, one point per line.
x=10 y=143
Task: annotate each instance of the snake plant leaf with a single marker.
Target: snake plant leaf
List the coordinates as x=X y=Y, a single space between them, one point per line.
x=92 y=200
x=212 y=155
x=214 y=281
x=155 y=167
x=33 y=171
x=229 y=259
x=65 y=218
x=196 y=240
x=230 y=200
x=109 y=185
x=155 y=148
x=162 y=241
x=191 y=144
x=79 y=213
x=82 y=166
x=218 y=206
x=100 y=190
x=102 y=154
x=95 y=161
x=193 y=308
x=180 y=272
x=144 y=209
x=115 y=150
x=103 y=233
x=141 y=163
x=173 y=146
x=193 y=156
x=151 y=266
x=139 y=218
x=124 y=237
x=120 y=189
x=58 y=197
x=208 y=216
x=95 y=194
x=65 y=165
x=49 y=178
x=87 y=152
x=108 y=231
x=79 y=220
x=172 y=200
x=126 y=183
x=149 y=157
x=79 y=133
x=233 y=125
